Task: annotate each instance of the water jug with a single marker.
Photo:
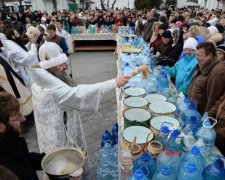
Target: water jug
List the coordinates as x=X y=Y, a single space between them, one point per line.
x=174 y=141
x=163 y=81
x=191 y=111
x=106 y=136
x=146 y=163
x=189 y=171
x=215 y=171
x=115 y=130
x=194 y=157
x=208 y=134
x=163 y=135
x=165 y=173
x=138 y=175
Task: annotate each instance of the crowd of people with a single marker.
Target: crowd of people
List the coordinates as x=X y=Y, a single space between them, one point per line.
x=34 y=80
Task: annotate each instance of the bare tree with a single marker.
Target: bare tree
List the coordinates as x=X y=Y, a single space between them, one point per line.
x=102 y=4
x=113 y=4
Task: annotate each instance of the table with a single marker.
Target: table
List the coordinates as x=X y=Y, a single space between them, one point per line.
x=92 y=42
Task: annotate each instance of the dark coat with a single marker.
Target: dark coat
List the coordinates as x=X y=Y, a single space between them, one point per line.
x=14 y=155
x=218 y=112
x=148 y=30
x=208 y=85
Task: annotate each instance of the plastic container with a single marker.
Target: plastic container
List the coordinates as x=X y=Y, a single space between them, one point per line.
x=194 y=157
x=163 y=135
x=190 y=112
x=208 y=134
x=138 y=175
x=106 y=158
x=174 y=141
x=189 y=172
x=106 y=137
x=163 y=81
x=146 y=163
x=115 y=130
x=165 y=173
x=215 y=171
x=168 y=158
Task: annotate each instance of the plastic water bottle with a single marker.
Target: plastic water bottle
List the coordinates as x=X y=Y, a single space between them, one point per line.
x=138 y=175
x=194 y=124
x=114 y=163
x=168 y=158
x=126 y=70
x=194 y=157
x=174 y=141
x=163 y=81
x=191 y=111
x=208 y=134
x=104 y=169
x=163 y=135
x=165 y=173
x=115 y=130
x=146 y=163
x=106 y=137
x=215 y=171
x=188 y=172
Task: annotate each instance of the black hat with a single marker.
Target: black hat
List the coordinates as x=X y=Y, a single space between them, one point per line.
x=163 y=26
x=167 y=34
x=221 y=47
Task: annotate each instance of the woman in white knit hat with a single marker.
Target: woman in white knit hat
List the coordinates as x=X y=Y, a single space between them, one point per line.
x=52 y=96
x=184 y=69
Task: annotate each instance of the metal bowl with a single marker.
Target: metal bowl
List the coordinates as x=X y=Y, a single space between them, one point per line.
x=63 y=161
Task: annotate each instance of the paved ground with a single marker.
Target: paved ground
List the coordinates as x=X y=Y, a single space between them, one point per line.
x=90 y=67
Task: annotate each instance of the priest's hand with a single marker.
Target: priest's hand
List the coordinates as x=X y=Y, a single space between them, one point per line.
x=122 y=80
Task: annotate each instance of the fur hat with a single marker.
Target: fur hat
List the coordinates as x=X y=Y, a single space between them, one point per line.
x=212 y=30
x=190 y=43
x=51 y=55
x=32 y=31
x=221 y=47
x=212 y=22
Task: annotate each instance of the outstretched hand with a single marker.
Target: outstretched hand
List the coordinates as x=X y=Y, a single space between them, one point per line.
x=122 y=80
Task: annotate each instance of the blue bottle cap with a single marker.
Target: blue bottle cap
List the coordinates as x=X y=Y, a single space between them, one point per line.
x=186 y=100
x=139 y=175
x=195 y=150
x=219 y=164
x=190 y=168
x=166 y=170
x=165 y=130
x=175 y=133
x=193 y=120
x=127 y=64
x=145 y=156
x=191 y=107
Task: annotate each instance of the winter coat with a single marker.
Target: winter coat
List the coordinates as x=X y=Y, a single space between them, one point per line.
x=208 y=85
x=148 y=30
x=14 y=155
x=183 y=71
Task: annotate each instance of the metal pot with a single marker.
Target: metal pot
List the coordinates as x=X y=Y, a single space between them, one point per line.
x=63 y=163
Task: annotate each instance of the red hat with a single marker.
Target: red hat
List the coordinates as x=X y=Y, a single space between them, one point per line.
x=179 y=24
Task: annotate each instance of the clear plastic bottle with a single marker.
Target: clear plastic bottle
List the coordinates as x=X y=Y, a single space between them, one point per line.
x=208 y=134
x=104 y=168
x=168 y=158
x=138 y=175
x=106 y=137
x=190 y=111
x=163 y=81
x=163 y=135
x=146 y=163
x=215 y=171
x=188 y=172
x=174 y=141
x=194 y=157
x=165 y=173
x=115 y=130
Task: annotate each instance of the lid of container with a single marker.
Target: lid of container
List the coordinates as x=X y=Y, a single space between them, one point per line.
x=139 y=175
x=135 y=102
x=219 y=164
x=195 y=150
x=162 y=107
x=175 y=133
x=186 y=100
x=191 y=107
x=166 y=170
x=165 y=130
x=155 y=97
x=190 y=168
x=158 y=121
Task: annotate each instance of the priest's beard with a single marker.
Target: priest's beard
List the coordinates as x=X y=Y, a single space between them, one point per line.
x=63 y=76
x=10 y=132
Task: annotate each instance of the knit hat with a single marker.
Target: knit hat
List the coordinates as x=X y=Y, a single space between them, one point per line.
x=51 y=55
x=190 y=43
x=212 y=30
x=212 y=22
x=167 y=34
x=179 y=24
x=221 y=47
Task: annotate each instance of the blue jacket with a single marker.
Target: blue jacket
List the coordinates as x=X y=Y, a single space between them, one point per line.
x=183 y=71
